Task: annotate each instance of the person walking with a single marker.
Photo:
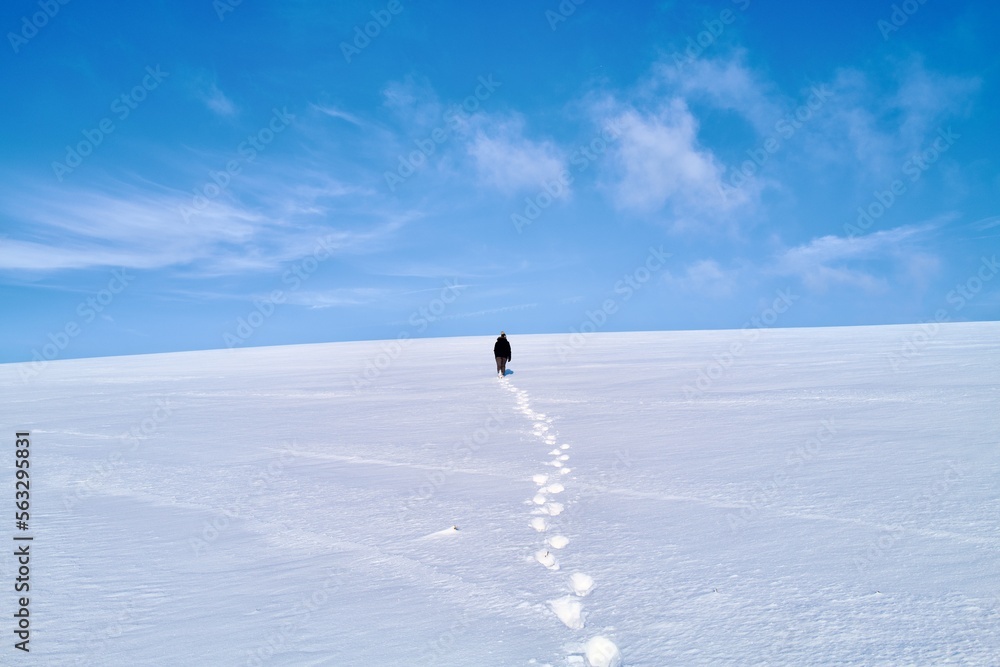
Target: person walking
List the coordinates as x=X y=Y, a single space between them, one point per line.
x=501 y=350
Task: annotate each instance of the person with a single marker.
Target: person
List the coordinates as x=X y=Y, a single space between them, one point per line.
x=502 y=352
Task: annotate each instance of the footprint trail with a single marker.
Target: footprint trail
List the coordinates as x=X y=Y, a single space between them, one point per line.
x=598 y=651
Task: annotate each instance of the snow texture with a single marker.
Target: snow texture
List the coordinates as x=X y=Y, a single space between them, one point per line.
x=784 y=497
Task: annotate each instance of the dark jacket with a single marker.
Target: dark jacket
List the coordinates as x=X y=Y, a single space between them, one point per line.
x=502 y=348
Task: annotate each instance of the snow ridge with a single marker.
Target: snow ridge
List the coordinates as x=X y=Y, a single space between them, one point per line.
x=599 y=651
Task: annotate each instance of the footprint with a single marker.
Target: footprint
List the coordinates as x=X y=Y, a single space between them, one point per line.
x=557 y=541
x=569 y=610
x=553 y=509
x=565 y=471
x=555 y=452
x=602 y=652
x=554 y=488
x=546 y=558
x=539 y=499
x=582 y=583
x=540 y=479
x=564 y=457
x=539 y=524
x=563 y=446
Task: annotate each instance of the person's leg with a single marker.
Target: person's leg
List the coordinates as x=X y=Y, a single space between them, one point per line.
x=500 y=363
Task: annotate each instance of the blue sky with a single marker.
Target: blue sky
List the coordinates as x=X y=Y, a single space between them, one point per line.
x=195 y=175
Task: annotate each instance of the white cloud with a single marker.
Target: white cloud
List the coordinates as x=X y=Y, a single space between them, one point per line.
x=925 y=99
x=864 y=262
x=82 y=227
x=509 y=162
x=414 y=101
x=874 y=124
x=725 y=83
x=658 y=161
x=218 y=103
x=333 y=112
x=62 y=228
x=487 y=311
x=987 y=223
x=345 y=296
x=868 y=123
x=706 y=278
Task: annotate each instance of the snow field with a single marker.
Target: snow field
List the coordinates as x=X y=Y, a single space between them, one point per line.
x=819 y=501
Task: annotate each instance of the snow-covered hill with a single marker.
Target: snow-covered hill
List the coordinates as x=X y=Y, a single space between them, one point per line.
x=799 y=497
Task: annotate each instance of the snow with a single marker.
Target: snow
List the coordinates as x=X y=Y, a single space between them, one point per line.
x=823 y=496
x=582 y=584
x=547 y=558
x=569 y=610
x=557 y=541
x=602 y=652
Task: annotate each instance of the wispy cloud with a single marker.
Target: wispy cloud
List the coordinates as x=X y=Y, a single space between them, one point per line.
x=874 y=122
x=414 y=101
x=81 y=228
x=141 y=227
x=659 y=162
x=333 y=112
x=829 y=261
x=344 y=296
x=724 y=83
x=488 y=311
x=217 y=101
x=925 y=99
x=705 y=278
x=987 y=223
x=506 y=160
